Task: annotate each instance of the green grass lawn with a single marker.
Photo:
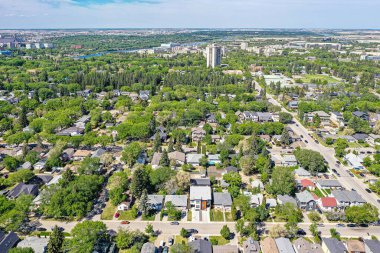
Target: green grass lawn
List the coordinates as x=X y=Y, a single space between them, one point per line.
x=218 y=240
x=108 y=212
x=128 y=215
x=179 y=239
x=318 y=192
x=229 y=216
x=189 y=215
x=216 y=215
x=149 y=217
x=309 y=78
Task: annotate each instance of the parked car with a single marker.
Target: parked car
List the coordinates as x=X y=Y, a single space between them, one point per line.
x=192 y=231
x=321 y=225
x=166 y=249
x=378 y=201
x=301 y=232
x=353 y=189
x=364 y=225
x=124 y=222
x=306 y=141
x=117 y=215
x=170 y=241
x=316 y=141
x=162 y=243
x=362 y=175
x=41 y=229
x=339 y=225
x=174 y=223
x=351 y=225
x=368 y=190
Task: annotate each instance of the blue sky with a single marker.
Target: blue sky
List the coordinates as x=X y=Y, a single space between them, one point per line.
x=190 y=13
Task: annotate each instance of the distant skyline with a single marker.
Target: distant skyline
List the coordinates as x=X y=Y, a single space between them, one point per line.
x=336 y=14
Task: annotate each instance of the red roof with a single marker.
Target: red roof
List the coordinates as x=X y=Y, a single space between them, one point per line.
x=328 y=202
x=307 y=183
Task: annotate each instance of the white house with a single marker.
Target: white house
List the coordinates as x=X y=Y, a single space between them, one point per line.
x=200 y=197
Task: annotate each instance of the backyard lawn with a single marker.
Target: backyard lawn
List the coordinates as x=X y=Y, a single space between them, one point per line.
x=229 y=216
x=216 y=215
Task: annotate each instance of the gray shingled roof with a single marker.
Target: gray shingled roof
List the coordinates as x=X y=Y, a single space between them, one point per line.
x=334 y=245
x=177 y=200
x=329 y=183
x=222 y=198
x=200 y=246
x=347 y=196
x=373 y=245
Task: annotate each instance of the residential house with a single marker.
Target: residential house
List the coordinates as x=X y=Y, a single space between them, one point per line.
x=200 y=246
x=215 y=138
x=98 y=153
x=328 y=184
x=80 y=154
x=222 y=201
x=8 y=241
x=200 y=182
x=40 y=165
x=302 y=246
x=255 y=199
x=262 y=117
x=289 y=161
x=333 y=245
x=144 y=94
x=306 y=184
x=67 y=154
x=21 y=188
x=148 y=247
x=178 y=157
x=256 y=183
x=324 y=117
x=354 y=161
x=251 y=246
x=210 y=118
x=360 y=114
x=360 y=137
x=371 y=246
x=197 y=134
x=71 y=131
x=373 y=139
x=156 y=160
x=284 y=245
x=200 y=197
x=124 y=206
x=155 y=202
x=306 y=201
x=337 y=119
x=268 y=245
x=225 y=249
x=214 y=159
x=283 y=199
x=82 y=121
x=355 y=246
x=26 y=166
x=302 y=173
x=193 y=159
x=293 y=104
x=178 y=201
x=327 y=204
x=346 y=198
x=38 y=244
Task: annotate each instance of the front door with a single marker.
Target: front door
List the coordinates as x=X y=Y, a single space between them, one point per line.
x=204 y=205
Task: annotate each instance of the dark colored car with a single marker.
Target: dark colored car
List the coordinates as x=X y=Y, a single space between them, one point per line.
x=350 y=225
x=301 y=232
x=363 y=225
x=192 y=231
x=41 y=229
x=368 y=190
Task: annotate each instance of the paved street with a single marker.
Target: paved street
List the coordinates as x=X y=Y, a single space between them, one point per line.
x=329 y=154
x=213 y=228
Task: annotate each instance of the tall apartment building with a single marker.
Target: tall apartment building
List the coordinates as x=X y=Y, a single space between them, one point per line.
x=214 y=55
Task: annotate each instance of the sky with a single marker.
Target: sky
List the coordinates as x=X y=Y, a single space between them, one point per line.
x=341 y=14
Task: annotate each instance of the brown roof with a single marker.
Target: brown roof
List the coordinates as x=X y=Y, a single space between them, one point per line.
x=355 y=246
x=82 y=153
x=176 y=155
x=268 y=245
